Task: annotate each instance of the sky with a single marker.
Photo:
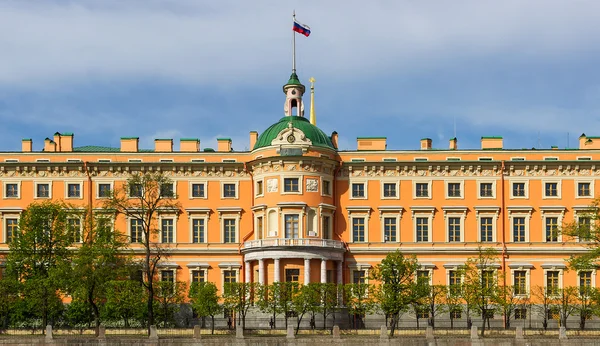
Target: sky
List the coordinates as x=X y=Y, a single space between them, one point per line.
x=403 y=69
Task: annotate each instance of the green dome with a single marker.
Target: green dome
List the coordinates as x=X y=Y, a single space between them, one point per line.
x=316 y=135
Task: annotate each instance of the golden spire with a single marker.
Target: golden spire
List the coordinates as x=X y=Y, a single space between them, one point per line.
x=313 y=115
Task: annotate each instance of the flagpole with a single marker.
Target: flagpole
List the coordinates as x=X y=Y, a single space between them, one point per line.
x=294 y=45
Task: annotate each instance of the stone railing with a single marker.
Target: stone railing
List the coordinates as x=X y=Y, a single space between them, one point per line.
x=311 y=242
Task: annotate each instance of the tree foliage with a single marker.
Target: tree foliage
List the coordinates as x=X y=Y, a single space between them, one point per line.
x=205 y=301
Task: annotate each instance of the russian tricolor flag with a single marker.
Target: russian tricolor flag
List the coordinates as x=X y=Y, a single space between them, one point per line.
x=301 y=28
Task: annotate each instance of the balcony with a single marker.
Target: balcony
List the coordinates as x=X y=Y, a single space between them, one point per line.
x=298 y=242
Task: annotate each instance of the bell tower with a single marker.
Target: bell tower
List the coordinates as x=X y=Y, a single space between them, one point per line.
x=293 y=91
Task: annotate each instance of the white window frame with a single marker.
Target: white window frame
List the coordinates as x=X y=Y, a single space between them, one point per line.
x=100 y=182
x=429 y=189
x=576 y=188
x=520 y=212
x=392 y=182
x=447 y=188
x=198 y=267
x=67 y=183
x=6 y=182
x=486 y=181
x=581 y=211
x=198 y=182
x=3 y=218
x=390 y=212
x=593 y=278
x=526 y=187
x=553 y=211
x=129 y=190
x=162 y=217
x=488 y=211
x=264 y=187
x=323 y=192
x=231 y=214
x=237 y=189
x=365 y=184
x=456 y=267
x=358 y=212
x=200 y=214
x=460 y=212
x=300 y=214
x=558 y=183
x=80 y=218
x=104 y=160
x=550 y=267
x=526 y=267
x=426 y=267
x=300 y=179
x=129 y=219
x=134 y=160
x=167 y=268
x=235 y=267
x=174 y=184
x=35 y=189
x=321 y=215
x=426 y=212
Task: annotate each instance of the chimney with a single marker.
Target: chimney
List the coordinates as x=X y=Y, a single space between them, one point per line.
x=224 y=144
x=334 y=139
x=163 y=145
x=371 y=143
x=491 y=143
x=582 y=140
x=57 y=141
x=66 y=141
x=129 y=144
x=453 y=143
x=189 y=144
x=49 y=145
x=26 y=145
x=425 y=143
x=253 y=139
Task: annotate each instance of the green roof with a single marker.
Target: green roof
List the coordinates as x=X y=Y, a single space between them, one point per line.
x=294 y=80
x=316 y=135
x=189 y=139
x=95 y=148
x=491 y=137
x=371 y=137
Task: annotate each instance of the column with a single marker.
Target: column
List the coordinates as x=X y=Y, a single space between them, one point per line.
x=276 y=270
x=340 y=270
x=247 y=271
x=261 y=271
x=306 y=271
x=323 y=271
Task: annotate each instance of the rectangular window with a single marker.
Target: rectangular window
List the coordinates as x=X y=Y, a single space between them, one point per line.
x=552 y=229
x=584 y=224
x=198 y=191
x=422 y=229
x=229 y=276
x=12 y=226
x=74 y=227
x=167 y=276
x=583 y=190
x=456 y=313
x=135 y=190
x=166 y=230
x=292 y=275
x=518 y=229
x=12 y=190
x=326 y=230
x=454 y=190
x=585 y=282
x=358 y=229
x=259 y=188
x=389 y=229
x=167 y=191
x=422 y=190
x=229 y=190
x=552 y=286
x=518 y=189
x=487 y=279
x=551 y=189
x=43 y=190
x=520 y=313
x=104 y=190
x=135 y=230
x=198 y=276
x=486 y=229
x=73 y=190
x=520 y=282
x=454 y=282
x=454 y=229
x=358 y=190
x=423 y=276
x=229 y=231
x=389 y=190
x=326 y=187
x=358 y=277
x=198 y=231
x=292 y=226
x=290 y=185
x=486 y=190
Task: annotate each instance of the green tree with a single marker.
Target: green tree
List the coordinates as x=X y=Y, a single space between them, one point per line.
x=307 y=300
x=205 y=301
x=237 y=297
x=434 y=301
x=359 y=299
x=506 y=299
x=453 y=302
x=141 y=199
x=8 y=298
x=396 y=274
x=169 y=295
x=124 y=301
x=39 y=258
x=481 y=284
x=587 y=304
x=329 y=301
x=268 y=300
x=544 y=303
x=287 y=291
x=566 y=303
x=101 y=259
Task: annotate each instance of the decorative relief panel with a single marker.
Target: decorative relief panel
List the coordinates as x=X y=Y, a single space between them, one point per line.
x=312 y=185
x=272 y=185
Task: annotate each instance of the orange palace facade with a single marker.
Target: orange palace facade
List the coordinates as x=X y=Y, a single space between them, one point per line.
x=295 y=208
